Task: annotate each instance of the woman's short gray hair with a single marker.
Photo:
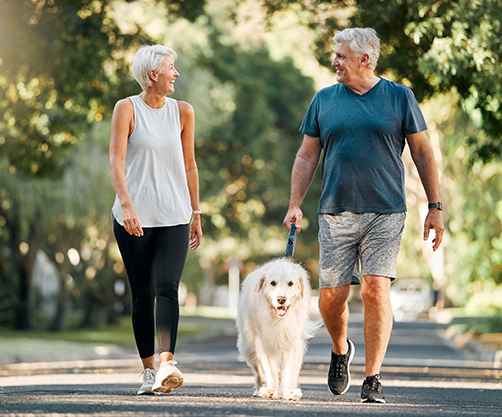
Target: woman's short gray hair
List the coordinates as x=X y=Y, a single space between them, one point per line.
x=362 y=41
x=149 y=57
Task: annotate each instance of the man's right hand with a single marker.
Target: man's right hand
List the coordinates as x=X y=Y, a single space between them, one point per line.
x=293 y=216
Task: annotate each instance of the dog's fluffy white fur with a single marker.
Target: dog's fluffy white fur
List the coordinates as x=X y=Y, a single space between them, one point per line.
x=273 y=326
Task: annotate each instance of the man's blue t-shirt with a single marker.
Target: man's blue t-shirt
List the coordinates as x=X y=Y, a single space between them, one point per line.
x=363 y=138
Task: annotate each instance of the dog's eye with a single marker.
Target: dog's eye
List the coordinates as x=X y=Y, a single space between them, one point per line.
x=290 y=284
x=273 y=283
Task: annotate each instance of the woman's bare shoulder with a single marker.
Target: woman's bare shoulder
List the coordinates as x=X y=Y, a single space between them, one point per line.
x=124 y=105
x=185 y=108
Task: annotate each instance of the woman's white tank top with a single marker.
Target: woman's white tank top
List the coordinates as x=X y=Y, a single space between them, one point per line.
x=154 y=167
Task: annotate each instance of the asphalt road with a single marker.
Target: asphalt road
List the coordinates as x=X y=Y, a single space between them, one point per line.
x=423 y=375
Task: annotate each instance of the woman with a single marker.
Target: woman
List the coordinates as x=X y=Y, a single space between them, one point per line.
x=156 y=215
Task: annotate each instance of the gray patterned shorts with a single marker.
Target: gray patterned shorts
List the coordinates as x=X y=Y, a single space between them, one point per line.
x=354 y=244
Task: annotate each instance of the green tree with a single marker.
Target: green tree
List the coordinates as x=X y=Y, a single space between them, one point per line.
x=21 y=237
x=54 y=80
x=62 y=65
x=245 y=160
x=69 y=219
x=474 y=215
x=79 y=237
x=448 y=52
x=433 y=47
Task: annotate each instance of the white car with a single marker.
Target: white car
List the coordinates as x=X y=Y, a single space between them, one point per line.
x=409 y=298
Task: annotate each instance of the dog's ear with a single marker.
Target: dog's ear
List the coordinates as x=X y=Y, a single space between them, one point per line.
x=261 y=284
x=301 y=278
x=301 y=281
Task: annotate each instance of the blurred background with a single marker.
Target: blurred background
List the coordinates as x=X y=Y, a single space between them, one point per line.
x=250 y=69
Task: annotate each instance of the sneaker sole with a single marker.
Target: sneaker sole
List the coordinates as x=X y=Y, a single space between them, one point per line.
x=373 y=400
x=349 y=380
x=146 y=392
x=168 y=384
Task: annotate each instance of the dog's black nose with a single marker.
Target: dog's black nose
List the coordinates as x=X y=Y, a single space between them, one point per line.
x=281 y=300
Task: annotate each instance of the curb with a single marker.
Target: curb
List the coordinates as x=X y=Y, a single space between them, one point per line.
x=465 y=342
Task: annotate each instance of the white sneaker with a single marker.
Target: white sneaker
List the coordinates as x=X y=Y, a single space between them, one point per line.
x=148 y=381
x=168 y=377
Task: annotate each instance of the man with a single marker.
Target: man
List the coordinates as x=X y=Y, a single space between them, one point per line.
x=362 y=123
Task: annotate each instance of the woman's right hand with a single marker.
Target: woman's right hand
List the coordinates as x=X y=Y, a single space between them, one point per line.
x=131 y=221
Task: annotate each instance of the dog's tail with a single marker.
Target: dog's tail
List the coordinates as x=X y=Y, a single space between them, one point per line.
x=311 y=328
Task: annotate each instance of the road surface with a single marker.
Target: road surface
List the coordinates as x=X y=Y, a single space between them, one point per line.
x=423 y=375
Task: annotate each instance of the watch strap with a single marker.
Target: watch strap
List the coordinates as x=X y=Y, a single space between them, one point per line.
x=437 y=205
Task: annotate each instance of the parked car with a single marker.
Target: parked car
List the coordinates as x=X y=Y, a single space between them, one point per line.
x=410 y=297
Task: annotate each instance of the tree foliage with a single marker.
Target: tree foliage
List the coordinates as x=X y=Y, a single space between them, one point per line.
x=433 y=47
x=62 y=65
x=474 y=215
x=245 y=160
x=69 y=220
x=67 y=83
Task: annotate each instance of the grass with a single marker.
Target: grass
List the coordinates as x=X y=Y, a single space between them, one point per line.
x=42 y=345
x=461 y=322
x=120 y=334
x=209 y=312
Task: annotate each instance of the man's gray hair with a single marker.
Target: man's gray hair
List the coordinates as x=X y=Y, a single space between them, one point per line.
x=149 y=57
x=362 y=41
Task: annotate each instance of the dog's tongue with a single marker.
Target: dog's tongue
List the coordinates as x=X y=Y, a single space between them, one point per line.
x=280 y=311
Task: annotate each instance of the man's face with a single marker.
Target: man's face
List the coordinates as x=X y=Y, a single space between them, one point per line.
x=345 y=63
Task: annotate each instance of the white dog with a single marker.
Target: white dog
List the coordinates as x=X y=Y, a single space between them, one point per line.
x=273 y=326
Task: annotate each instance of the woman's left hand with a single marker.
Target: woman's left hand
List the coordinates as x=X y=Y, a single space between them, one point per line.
x=195 y=232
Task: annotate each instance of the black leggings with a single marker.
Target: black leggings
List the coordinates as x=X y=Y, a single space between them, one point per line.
x=154 y=264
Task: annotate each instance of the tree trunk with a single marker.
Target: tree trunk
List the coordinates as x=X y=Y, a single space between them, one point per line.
x=94 y=310
x=209 y=278
x=24 y=305
x=59 y=321
x=24 y=266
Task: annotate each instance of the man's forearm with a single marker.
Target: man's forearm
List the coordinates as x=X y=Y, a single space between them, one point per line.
x=301 y=178
x=426 y=167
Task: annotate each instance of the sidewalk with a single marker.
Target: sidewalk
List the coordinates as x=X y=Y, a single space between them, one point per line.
x=486 y=347
x=423 y=377
x=35 y=357
x=24 y=356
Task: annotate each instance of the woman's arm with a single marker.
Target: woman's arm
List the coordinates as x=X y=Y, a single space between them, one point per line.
x=187 y=117
x=122 y=127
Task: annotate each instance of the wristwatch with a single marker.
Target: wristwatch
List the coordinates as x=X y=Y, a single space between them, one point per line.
x=437 y=205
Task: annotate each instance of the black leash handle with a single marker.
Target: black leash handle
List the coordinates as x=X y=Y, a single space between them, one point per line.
x=290 y=247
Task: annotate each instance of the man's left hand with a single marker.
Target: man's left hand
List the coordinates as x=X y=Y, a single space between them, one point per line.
x=434 y=221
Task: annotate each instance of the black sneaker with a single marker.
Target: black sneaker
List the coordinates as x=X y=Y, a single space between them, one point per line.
x=372 y=390
x=339 y=373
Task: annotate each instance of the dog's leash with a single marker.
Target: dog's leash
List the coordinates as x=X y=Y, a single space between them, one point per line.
x=290 y=247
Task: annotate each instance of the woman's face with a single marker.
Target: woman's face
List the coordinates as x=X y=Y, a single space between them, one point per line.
x=167 y=75
x=345 y=63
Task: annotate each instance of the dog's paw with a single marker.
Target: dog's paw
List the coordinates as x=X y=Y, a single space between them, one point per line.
x=293 y=395
x=266 y=392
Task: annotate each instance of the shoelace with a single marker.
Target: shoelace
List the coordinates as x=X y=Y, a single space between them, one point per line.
x=339 y=365
x=148 y=374
x=373 y=384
